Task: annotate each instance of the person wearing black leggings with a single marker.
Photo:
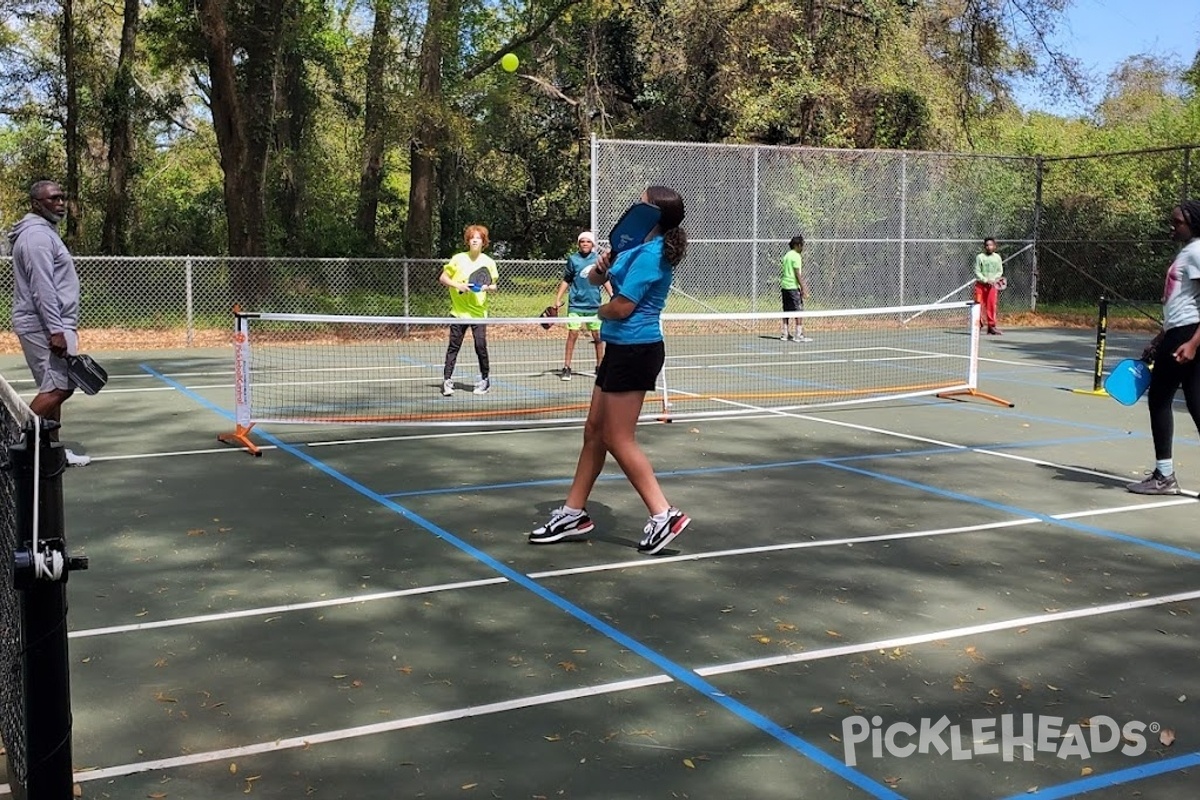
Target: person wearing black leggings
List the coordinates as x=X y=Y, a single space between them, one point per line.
x=1174 y=350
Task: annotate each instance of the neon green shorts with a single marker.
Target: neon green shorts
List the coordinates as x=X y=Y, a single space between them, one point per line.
x=594 y=325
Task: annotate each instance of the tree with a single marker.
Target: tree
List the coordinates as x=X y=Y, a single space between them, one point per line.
x=243 y=41
x=118 y=108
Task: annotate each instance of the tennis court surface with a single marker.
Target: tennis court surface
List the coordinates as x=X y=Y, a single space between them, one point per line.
x=912 y=598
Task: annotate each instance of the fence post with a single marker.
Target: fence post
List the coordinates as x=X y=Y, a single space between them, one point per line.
x=190 y=302
x=1037 y=231
x=754 y=238
x=595 y=183
x=903 y=218
x=1187 y=174
x=40 y=570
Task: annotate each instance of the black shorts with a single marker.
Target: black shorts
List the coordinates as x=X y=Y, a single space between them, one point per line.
x=793 y=300
x=630 y=367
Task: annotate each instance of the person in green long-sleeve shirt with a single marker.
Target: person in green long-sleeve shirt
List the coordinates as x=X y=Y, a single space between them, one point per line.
x=989 y=268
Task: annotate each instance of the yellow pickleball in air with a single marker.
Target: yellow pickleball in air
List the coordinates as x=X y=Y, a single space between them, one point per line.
x=510 y=62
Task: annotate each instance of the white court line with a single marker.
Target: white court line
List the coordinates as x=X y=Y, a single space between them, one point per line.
x=608 y=567
x=466 y=712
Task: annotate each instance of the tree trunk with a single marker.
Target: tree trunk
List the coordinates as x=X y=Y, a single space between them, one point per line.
x=112 y=236
x=71 y=124
x=427 y=140
x=293 y=112
x=242 y=107
x=373 y=134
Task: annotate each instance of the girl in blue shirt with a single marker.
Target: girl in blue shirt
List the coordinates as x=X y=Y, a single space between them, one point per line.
x=631 y=329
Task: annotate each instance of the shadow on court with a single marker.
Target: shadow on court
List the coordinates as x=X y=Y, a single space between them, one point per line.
x=917 y=599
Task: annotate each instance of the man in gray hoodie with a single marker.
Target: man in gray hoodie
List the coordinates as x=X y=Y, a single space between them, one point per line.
x=45 y=312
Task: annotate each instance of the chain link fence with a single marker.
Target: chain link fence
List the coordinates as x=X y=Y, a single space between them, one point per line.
x=141 y=302
x=882 y=228
x=1103 y=226
x=885 y=227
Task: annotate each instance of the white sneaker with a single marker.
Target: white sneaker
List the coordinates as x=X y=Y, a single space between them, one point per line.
x=77 y=460
x=483 y=386
x=802 y=338
x=447 y=388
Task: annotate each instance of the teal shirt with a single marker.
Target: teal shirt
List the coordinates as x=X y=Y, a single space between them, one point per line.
x=988 y=268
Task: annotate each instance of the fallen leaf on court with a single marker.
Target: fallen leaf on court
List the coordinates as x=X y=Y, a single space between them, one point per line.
x=761 y=639
x=784 y=626
x=162 y=662
x=1022 y=630
x=356 y=684
x=196 y=532
x=164 y=698
x=233 y=769
x=891 y=781
x=1167 y=737
x=834 y=634
x=567 y=666
x=694 y=430
x=469 y=786
x=687 y=762
x=142 y=613
x=77 y=790
x=157 y=795
x=579 y=652
x=1053 y=688
x=338 y=677
x=1085 y=771
x=836 y=739
x=817 y=710
x=555 y=738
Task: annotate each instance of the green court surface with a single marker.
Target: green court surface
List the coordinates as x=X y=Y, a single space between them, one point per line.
x=357 y=613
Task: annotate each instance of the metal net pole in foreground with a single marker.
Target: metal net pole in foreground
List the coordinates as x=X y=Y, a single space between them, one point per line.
x=36 y=706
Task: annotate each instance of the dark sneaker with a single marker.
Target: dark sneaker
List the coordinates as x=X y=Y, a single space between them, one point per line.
x=1157 y=483
x=994 y=332
x=565 y=374
x=563 y=526
x=660 y=534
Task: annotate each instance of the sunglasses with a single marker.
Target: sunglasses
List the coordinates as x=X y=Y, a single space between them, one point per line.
x=54 y=198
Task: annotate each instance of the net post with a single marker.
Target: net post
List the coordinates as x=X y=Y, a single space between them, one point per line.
x=1097 y=389
x=243 y=423
x=665 y=416
x=972 y=389
x=40 y=570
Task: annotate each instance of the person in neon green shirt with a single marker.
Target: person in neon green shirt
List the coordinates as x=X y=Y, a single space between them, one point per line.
x=793 y=288
x=989 y=268
x=469 y=301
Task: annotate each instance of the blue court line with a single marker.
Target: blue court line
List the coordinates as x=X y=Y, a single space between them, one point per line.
x=676 y=671
x=676 y=473
x=1021 y=512
x=1110 y=779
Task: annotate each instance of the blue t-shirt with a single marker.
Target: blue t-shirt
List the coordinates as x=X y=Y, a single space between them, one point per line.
x=643 y=276
x=583 y=298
